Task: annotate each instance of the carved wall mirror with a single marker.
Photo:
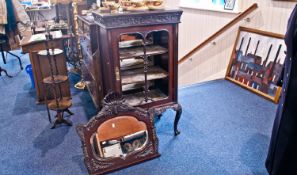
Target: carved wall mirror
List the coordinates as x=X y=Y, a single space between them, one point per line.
x=119 y=136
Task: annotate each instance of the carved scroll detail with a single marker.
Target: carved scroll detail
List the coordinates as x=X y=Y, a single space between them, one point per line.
x=137 y=19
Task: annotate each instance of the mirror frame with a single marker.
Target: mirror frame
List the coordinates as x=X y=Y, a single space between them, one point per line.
x=114 y=106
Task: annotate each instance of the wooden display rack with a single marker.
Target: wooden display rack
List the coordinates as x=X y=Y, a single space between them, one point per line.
x=53 y=84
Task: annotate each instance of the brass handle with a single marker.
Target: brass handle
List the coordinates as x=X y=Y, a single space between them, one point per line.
x=117 y=73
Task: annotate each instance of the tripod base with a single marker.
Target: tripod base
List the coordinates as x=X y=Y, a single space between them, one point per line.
x=61 y=120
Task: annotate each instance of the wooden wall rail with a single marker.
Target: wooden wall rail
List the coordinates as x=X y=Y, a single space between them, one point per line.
x=219 y=32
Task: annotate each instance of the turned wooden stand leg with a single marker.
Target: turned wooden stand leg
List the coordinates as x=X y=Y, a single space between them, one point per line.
x=45 y=99
x=69 y=112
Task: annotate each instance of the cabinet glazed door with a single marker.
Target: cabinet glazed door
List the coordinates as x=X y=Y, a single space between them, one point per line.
x=145 y=66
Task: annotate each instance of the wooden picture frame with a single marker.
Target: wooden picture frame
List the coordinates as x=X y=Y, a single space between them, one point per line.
x=118 y=136
x=257 y=61
x=229 y=4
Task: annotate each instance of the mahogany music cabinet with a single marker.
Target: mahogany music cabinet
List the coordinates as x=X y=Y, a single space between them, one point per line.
x=136 y=55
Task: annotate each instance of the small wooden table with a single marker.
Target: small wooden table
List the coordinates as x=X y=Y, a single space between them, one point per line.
x=32 y=47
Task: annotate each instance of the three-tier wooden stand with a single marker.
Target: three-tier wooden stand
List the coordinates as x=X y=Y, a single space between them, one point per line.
x=52 y=85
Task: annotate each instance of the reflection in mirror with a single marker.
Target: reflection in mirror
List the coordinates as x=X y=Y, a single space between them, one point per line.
x=119 y=136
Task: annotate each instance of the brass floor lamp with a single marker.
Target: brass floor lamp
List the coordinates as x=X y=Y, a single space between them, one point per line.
x=81 y=83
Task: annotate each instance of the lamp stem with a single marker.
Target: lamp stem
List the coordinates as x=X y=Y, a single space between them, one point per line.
x=81 y=84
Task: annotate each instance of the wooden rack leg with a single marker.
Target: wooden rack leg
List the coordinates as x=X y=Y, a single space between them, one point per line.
x=45 y=99
x=177 y=108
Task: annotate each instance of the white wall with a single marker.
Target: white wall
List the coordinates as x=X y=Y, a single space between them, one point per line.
x=197 y=25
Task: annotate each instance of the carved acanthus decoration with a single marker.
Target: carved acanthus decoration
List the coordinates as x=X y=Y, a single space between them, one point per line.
x=137 y=19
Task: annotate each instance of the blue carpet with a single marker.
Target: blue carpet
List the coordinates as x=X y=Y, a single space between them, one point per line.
x=225 y=130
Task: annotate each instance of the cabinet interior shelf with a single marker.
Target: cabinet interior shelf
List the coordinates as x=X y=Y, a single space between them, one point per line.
x=130 y=43
x=134 y=63
x=137 y=99
x=151 y=50
x=137 y=75
x=134 y=86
